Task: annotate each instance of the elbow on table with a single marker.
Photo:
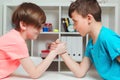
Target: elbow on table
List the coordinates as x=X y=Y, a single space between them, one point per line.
x=35 y=76
x=81 y=75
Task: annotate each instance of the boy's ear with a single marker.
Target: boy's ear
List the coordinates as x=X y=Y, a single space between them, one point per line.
x=90 y=18
x=22 y=25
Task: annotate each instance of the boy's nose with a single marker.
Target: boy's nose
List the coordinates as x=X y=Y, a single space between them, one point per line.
x=74 y=27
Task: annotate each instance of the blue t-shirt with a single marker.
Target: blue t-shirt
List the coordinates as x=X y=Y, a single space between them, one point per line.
x=103 y=54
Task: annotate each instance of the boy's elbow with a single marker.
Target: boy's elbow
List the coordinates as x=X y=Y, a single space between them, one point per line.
x=81 y=75
x=35 y=76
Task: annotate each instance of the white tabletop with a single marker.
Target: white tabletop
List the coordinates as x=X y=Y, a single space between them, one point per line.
x=20 y=74
x=52 y=75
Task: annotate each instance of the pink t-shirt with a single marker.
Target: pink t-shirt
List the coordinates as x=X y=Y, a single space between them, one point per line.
x=12 y=48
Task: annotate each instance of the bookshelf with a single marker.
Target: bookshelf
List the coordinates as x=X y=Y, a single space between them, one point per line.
x=54 y=14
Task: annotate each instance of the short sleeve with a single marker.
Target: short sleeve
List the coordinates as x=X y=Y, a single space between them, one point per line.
x=18 y=51
x=13 y=45
x=113 y=46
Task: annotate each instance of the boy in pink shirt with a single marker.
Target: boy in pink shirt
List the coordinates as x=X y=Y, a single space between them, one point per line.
x=27 y=18
x=12 y=48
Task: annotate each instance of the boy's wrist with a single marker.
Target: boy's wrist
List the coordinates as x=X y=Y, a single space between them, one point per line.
x=53 y=53
x=56 y=53
x=63 y=53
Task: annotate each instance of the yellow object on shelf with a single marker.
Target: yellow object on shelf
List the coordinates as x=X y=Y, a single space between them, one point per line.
x=55 y=30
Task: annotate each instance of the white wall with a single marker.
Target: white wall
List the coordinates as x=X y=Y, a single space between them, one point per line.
x=52 y=2
x=1 y=20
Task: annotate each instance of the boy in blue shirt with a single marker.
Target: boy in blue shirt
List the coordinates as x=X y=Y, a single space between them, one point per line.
x=103 y=49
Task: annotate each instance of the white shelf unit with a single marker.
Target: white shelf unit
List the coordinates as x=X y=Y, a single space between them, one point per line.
x=75 y=43
x=110 y=16
x=52 y=14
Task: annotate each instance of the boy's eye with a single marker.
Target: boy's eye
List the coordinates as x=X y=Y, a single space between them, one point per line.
x=75 y=21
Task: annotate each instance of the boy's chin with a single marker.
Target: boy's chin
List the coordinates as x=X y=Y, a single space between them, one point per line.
x=83 y=35
x=34 y=38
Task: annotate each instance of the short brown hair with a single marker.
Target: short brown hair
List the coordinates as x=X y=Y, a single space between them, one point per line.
x=85 y=7
x=30 y=14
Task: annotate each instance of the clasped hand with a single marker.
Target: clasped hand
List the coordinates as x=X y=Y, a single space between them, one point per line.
x=58 y=47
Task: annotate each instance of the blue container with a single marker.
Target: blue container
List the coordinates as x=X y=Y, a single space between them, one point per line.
x=45 y=29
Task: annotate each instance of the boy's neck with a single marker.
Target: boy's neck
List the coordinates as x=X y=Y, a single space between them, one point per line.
x=95 y=30
x=23 y=35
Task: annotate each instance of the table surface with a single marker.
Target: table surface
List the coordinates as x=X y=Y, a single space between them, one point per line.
x=20 y=74
x=52 y=75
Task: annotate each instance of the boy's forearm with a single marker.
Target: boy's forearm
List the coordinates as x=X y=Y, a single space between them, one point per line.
x=72 y=65
x=42 y=67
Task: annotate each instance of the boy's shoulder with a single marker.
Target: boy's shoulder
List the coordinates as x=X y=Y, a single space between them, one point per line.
x=107 y=34
x=107 y=31
x=11 y=36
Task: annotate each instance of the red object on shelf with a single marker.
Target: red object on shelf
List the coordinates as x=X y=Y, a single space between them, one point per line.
x=44 y=53
x=47 y=27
